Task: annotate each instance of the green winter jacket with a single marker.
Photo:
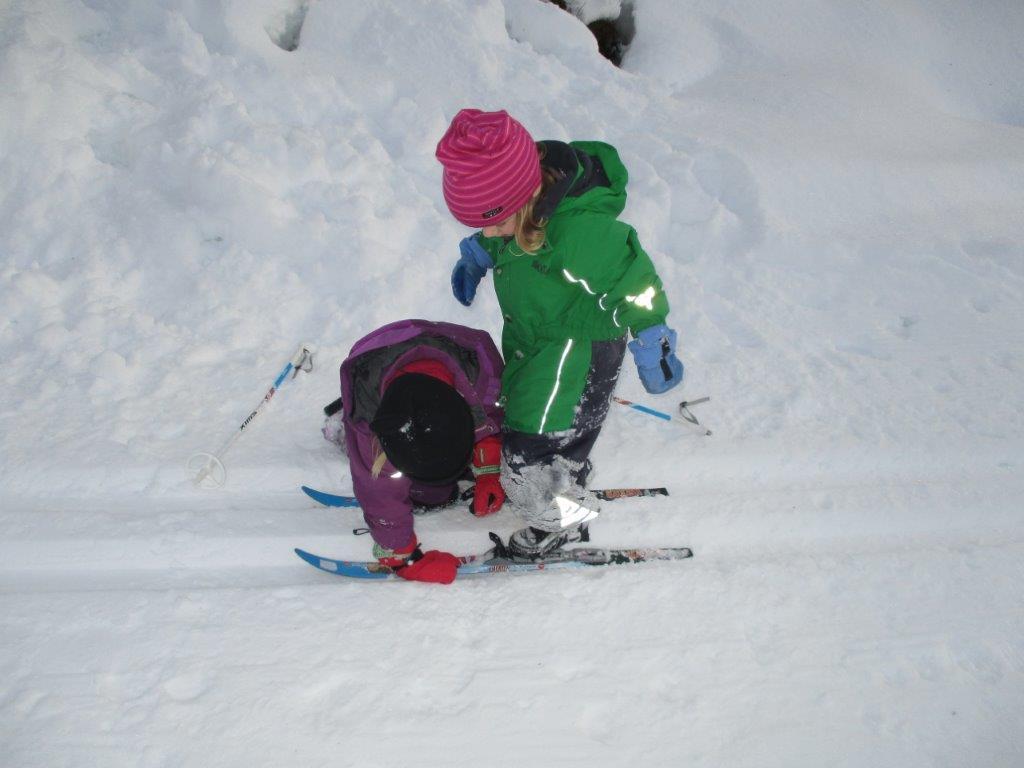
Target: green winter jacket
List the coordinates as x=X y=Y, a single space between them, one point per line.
x=590 y=281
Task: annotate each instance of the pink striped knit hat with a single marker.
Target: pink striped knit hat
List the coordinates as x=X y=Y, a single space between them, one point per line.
x=491 y=168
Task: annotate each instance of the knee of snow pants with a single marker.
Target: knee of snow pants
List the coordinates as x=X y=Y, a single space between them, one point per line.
x=537 y=467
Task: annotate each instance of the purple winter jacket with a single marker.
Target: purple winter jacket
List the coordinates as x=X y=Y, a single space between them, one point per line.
x=472 y=358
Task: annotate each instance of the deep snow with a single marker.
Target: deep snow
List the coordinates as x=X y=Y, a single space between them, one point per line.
x=834 y=196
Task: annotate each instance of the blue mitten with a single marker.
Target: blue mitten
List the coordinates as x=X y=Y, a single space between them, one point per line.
x=654 y=350
x=469 y=269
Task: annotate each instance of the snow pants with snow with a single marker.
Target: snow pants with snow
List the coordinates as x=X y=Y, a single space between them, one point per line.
x=537 y=467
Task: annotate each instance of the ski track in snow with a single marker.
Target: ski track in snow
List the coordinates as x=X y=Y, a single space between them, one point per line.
x=878 y=674
x=116 y=549
x=832 y=195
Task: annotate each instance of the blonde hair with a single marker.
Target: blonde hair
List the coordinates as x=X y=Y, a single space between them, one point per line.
x=529 y=230
x=379 y=458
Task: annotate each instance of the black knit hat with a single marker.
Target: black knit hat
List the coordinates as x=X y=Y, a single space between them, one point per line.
x=425 y=428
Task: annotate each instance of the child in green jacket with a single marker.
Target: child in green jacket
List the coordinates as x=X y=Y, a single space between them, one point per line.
x=571 y=280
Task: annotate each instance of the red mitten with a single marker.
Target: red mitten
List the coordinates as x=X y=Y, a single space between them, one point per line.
x=488 y=495
x=435 y=567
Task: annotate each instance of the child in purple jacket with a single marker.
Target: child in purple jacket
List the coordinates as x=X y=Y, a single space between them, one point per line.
x=420 y=412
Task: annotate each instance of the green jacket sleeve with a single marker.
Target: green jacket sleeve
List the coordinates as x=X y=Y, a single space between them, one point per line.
x=611 y=264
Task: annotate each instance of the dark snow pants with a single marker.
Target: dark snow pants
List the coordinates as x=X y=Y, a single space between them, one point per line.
x=537 y=467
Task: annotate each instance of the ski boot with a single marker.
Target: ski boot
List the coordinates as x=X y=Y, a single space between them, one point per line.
x=534 y=544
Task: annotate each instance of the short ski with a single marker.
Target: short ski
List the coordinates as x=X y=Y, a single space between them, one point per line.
x=606 y=494
x=474 y=565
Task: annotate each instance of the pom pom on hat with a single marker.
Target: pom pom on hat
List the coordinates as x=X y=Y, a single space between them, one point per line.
x=491 y=167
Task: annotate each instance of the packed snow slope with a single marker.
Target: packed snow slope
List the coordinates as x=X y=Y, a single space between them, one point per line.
x=833 y=193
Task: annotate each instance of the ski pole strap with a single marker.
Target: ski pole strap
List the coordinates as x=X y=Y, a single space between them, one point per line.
x=302 y=360
x=689 y=418
x=684 y=409
x=666 y=350
x=698 y=401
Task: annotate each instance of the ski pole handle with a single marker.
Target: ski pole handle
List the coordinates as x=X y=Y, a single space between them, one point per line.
x=643 y=409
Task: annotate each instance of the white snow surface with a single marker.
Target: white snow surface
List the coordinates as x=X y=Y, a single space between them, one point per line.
x=833 y=193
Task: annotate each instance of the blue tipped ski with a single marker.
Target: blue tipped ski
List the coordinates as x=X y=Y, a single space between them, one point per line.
x=329 y=499
x=370 y=569
x=478 y=565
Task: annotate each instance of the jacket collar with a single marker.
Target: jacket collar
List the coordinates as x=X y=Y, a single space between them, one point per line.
x=576 y=172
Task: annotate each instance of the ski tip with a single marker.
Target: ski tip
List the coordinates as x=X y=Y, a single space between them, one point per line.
x=329 y=499
x=323 y=563
x=355 y=570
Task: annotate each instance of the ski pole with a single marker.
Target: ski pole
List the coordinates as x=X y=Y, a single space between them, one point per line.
x=684 y=417
x=209 y=467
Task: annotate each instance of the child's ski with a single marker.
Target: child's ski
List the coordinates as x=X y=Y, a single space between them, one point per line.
x=606 y=494
x=487 y=563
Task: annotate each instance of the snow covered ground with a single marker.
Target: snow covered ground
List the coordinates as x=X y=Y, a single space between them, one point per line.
x=834 y=195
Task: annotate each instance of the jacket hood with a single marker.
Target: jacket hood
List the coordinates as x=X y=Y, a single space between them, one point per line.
x=468 y=350
x=590 y=177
